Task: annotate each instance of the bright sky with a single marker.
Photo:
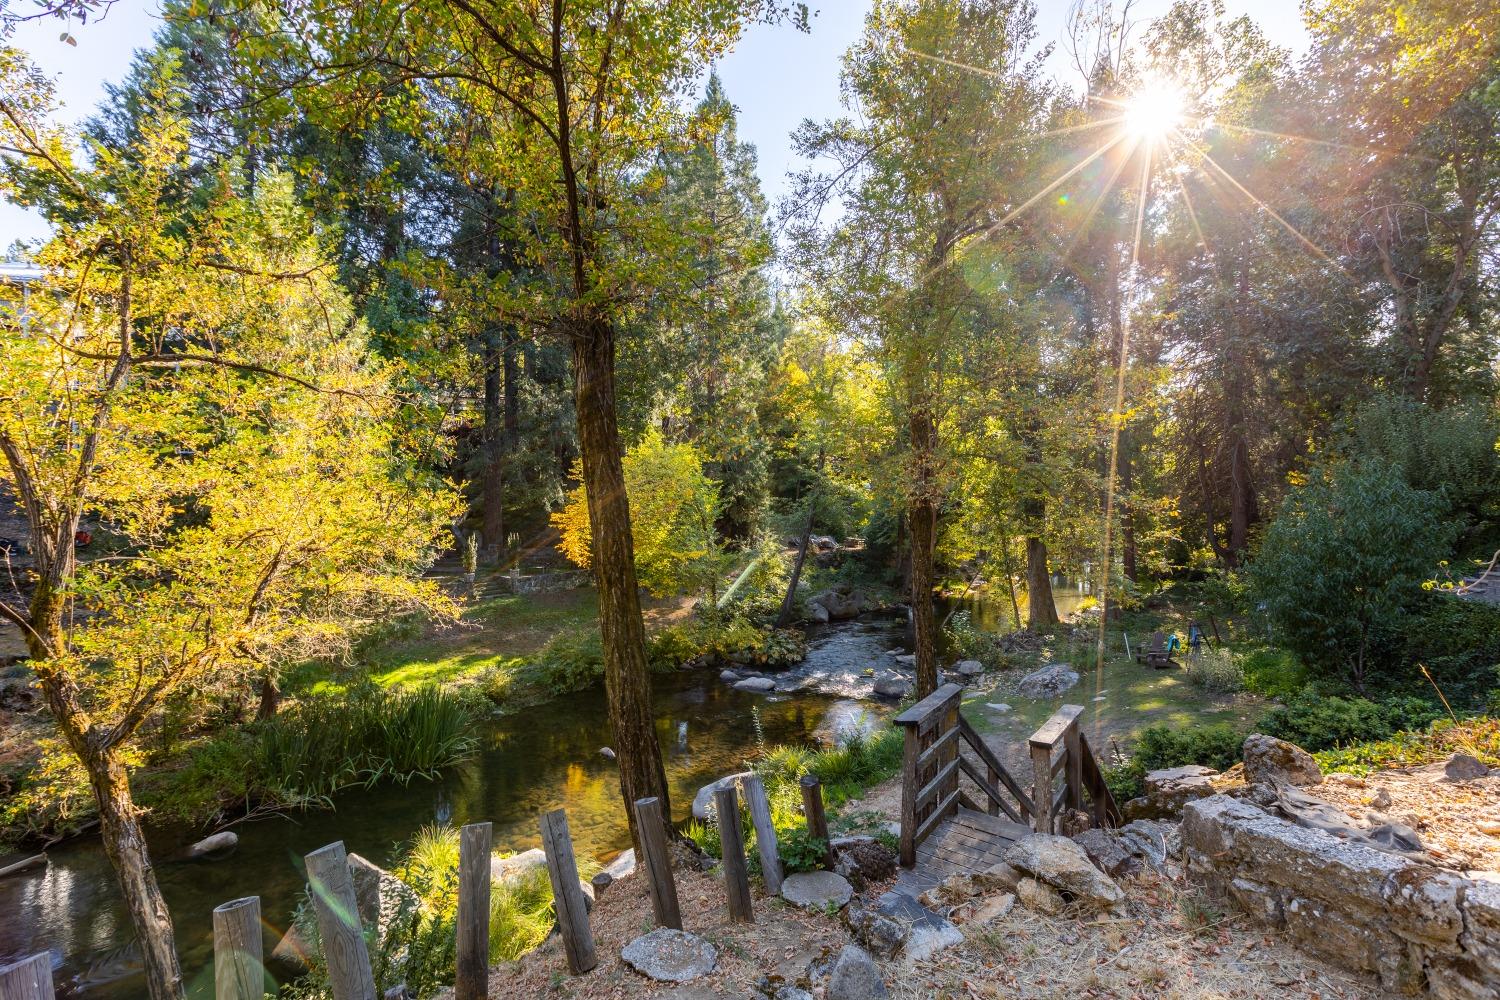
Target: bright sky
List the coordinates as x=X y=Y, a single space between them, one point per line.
x=776 y=77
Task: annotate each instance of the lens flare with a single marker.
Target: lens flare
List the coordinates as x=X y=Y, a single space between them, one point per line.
x=1154 y=110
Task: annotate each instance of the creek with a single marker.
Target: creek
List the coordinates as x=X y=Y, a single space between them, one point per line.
x=542 y=758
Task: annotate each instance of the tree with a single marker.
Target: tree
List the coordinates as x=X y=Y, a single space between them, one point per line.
x=950 y=107
x=673 y=507
x=578 y=97
x=1345 y=561
x=700 y=352
x=195 y=391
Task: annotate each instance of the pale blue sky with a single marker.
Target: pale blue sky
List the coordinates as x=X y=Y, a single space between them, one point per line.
x=776 y=77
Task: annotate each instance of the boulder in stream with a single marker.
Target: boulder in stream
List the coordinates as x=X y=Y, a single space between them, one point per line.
x=217 y=843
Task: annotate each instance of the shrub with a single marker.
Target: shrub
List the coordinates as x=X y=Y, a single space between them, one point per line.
x=800 y=851
x=1217 y=746
x=1459 y=642
x=706 y=836
x=571 y=660
x=1344 y=562
x=1215 y=670
x=1319 y=722
x=1275 y=673
x=1479 y=737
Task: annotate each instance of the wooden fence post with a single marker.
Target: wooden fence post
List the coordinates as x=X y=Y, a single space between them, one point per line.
x=239 y=968
x=732 y=841
x=343 y=940
x=567 y=894
x=817 y=821
x=1041 y=795
x=28 y=979
x=765 y=831
x=471 y=979
x=652 y=828
x=1073 y=746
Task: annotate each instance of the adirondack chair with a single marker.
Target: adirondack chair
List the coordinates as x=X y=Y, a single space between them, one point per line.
x=1156 y=654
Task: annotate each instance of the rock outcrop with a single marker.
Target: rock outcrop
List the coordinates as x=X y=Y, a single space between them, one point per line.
x=1412 y=924
x=1269 y=761
x=1064 y=866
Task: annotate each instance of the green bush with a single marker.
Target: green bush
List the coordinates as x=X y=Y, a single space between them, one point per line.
x=1321 y=722
x=1273 y=672
x=1343 y=564
x=1459 y=643
x=1215 y=670
x=571 y=661
x=1217 y=746
x=800 y=851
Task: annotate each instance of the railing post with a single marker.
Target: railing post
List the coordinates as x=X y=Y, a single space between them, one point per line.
x=28 y=979
x=765 y=832
x=653 y=832
x=343 y=939
x=817 y=820
x=471 y=980
x=567 y=894
x=732 y=842
x=911 y=752
x=239 y=968
x=1041 y=794
x=1073 y=744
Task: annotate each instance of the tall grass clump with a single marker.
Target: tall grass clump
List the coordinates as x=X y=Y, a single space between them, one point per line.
x=360 y=738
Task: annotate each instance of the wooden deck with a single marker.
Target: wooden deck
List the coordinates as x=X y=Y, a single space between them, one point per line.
x=969 y=843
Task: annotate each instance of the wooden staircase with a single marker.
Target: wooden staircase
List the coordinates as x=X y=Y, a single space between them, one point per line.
x=961 y=808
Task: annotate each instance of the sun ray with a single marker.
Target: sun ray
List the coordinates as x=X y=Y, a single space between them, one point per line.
x=1316 y=250
x=1121 y=363
x=1098 y=201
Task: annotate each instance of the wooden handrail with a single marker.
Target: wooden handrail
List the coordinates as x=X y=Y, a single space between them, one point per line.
x=933 y=761
x=1083 y=781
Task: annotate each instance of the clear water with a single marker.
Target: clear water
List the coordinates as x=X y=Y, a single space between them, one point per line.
x=541 y=759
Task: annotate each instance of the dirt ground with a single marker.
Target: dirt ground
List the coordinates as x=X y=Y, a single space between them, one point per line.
x=1173 y=943
x=1459 y=822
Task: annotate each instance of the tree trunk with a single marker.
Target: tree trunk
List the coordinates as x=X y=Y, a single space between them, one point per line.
x=270 y=697
x=1127 y=512
x=922 y=517
x=1041 y=609
x=784 y=616
x=492 y=529
x=626 y=679
x=125 y=844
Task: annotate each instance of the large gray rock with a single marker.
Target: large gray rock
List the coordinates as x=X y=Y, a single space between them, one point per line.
x=703 y=802
x=1464 y=767
x=882 y=934
x=1062 y=864
x=505 y=869
x=215 y=844
x=926 y=932
x=1106 y=851
x=855 y=976
x=1169 y=789
x=1269 y=761
x=670 y=956
x=380 y=897
x=755 y=685
x=1048 y=682
x=816 y=890
x=892 y=686
x=968 y=668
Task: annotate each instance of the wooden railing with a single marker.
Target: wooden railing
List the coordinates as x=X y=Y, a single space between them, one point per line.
x=1083 y=786
x=935 y=759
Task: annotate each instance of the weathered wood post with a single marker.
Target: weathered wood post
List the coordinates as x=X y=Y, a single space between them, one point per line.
x=239 y=968
x=732 y=840
x=471 y=978
x=28 y=979
x=343 y=939
x=817 y=821
x=567 y=894
x=652 y=827
x=1073 y=745
x=1041 y=794
x=765 y=831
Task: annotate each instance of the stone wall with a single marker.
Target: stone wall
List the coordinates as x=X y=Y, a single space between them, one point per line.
x=1417 y=927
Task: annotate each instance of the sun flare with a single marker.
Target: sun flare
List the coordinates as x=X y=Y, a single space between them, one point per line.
x=1154 y=110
